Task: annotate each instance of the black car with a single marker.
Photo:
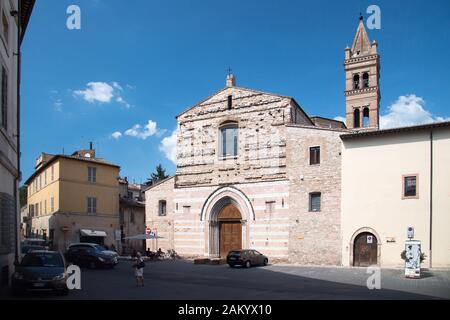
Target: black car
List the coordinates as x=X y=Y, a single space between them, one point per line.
x=40 y=270
x=246 y=258
x=91 y=255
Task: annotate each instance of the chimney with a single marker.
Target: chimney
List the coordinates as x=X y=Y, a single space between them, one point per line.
x=231 y=80
x=90 y=146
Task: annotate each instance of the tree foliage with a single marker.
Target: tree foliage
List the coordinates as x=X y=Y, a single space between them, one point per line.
x=158 y=175
x=23 y=194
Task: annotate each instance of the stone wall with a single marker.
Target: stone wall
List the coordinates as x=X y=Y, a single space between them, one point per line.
x=274 y=140
x=164 y=225
x=314 y=237
x=262 y=138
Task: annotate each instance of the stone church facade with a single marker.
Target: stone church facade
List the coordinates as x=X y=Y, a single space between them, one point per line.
x=267 y=178
x=255 y=171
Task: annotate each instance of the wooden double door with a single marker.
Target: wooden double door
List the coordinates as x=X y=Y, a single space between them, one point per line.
x=230 y=230
x=365 y=250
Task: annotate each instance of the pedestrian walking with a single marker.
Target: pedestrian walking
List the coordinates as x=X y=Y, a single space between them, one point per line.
x=139 y=270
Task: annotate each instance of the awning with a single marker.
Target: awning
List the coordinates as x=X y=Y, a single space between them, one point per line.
x=143 y=237
x=92 y=233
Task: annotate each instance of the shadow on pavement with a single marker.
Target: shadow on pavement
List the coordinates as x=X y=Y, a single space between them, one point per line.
x=182 y=280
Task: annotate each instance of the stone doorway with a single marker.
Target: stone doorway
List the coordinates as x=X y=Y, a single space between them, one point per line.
x=230 y=230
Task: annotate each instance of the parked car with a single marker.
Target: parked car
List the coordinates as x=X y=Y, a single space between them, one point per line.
x=91 y=255
x=27 y=248
x=40 y=270
x=246 y=258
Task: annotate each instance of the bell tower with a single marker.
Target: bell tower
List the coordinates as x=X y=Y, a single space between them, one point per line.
x=362 y=75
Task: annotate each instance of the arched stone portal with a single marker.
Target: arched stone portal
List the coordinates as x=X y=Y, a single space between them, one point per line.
x=226 y=202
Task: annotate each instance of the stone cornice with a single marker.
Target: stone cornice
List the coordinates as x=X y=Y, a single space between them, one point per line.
x=361 y=59
x=361 y=91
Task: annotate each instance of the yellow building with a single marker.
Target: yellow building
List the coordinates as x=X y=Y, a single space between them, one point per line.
x=74 y=199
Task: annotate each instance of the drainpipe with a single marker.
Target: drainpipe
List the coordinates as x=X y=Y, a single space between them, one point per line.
x=431 y=196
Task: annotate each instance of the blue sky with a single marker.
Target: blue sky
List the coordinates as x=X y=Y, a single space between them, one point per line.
x=142 y=62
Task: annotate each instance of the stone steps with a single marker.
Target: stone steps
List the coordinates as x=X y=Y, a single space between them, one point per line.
x=213 y=261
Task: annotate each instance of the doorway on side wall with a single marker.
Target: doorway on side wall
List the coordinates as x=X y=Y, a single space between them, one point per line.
x=365 y=250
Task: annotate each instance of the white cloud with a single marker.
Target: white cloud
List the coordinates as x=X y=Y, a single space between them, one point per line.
x=143 y=133
x=339 y=118
x=117 y=85
x=407 y=111
x=120 y=100
x=169 y=146
x=58 y=105
x=97 y=92
x=116 y=135
x=103 y=92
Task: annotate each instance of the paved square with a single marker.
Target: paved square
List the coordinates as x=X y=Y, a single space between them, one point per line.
x=184 y=280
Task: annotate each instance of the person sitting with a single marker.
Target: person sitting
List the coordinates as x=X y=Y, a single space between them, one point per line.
x=159 y=253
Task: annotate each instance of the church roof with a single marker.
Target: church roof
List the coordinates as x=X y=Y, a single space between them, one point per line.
x=361 y=43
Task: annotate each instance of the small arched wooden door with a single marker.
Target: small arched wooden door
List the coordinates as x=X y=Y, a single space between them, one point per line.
x=365 y=250
x=230 y=230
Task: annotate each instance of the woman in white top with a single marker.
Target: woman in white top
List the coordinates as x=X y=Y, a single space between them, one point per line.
x=139 y=270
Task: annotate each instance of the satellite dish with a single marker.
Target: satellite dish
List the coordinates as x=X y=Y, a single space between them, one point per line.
x=87 y=155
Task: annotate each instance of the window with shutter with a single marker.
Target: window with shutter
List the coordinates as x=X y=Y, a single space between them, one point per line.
x=92 y=174
x=92 y=205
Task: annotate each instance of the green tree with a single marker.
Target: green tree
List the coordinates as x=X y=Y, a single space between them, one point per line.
x=158 y=175
x=23 y=194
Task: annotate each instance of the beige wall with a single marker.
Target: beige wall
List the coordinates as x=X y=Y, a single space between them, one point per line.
x=372 y=170
x=9 y=153
x=441 y=198
x=75 y=222
x=70 y=189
